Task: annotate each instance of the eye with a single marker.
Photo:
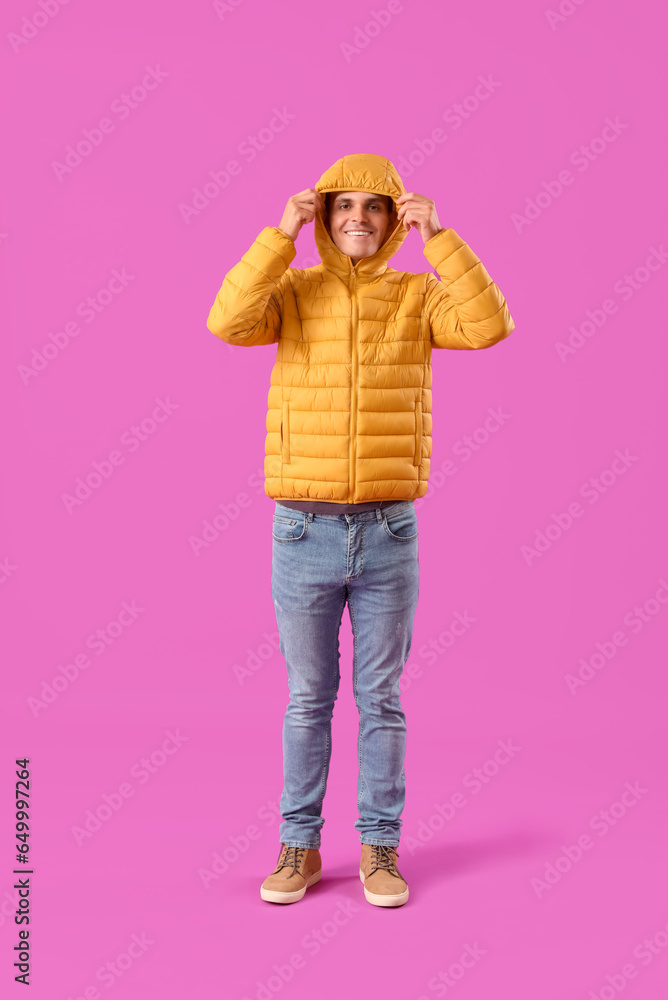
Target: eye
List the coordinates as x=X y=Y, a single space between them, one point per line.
x=346 y=204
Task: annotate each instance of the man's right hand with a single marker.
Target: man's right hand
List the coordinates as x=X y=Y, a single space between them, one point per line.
x=300 y=209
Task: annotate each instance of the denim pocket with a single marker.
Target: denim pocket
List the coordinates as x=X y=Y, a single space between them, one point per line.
x=401 y=524
x=289 y=529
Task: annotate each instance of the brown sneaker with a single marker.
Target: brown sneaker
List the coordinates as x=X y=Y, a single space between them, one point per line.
x=297 y=869
x=383 y=883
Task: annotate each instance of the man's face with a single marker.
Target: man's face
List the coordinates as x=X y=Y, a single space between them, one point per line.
x=358 y=222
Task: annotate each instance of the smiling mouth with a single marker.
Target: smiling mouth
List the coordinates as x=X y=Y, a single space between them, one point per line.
x=358 y=233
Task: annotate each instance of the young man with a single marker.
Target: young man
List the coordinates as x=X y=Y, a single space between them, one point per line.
x=348 y=450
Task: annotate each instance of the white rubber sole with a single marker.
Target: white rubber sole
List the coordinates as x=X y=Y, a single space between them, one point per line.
x=273 y=896
x=381 y=899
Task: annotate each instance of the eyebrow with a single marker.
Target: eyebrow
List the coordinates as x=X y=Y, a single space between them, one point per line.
x=346 y=197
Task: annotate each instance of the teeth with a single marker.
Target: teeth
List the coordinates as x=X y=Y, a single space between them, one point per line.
x=357 y=232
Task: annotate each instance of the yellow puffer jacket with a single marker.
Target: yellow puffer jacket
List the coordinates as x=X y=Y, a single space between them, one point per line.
x=349 y=405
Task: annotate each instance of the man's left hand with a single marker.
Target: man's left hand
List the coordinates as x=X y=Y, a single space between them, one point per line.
x=419 y=211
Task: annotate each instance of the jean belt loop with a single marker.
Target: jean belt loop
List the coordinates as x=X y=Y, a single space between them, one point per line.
x=379 y=515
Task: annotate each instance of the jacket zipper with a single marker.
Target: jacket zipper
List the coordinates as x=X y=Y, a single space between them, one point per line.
x=354 y=387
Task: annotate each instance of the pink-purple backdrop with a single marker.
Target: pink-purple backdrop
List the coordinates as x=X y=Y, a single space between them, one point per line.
x=146 y=146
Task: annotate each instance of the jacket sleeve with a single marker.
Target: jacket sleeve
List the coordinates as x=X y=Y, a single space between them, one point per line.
x=465 y=309
x=248 y=309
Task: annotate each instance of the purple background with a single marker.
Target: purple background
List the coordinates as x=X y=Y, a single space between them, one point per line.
x=524 y=100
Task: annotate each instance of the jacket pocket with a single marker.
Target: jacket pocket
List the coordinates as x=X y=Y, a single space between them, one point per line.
x=418 y=432
x=285 y=431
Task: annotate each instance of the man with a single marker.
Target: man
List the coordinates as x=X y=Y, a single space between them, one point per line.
x=347 y=452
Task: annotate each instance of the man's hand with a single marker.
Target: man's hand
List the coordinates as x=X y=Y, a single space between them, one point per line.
x=416 y=210
x=300 y=209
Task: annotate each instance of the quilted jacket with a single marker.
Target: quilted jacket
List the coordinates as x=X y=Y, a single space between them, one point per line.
x=349 y=404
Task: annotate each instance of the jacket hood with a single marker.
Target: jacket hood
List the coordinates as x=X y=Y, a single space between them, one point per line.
x=359 y=172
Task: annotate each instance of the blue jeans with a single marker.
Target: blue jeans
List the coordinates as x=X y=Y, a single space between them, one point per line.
x=320 y=561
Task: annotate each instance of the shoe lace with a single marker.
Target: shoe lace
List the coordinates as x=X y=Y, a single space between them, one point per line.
x=383 y=856
x=290 y=856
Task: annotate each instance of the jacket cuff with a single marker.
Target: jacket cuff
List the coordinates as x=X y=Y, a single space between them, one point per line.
x=275 y=239
x=450 y=255
x=441 y=245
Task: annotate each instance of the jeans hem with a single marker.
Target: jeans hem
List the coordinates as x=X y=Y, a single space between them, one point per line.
x=381 y=843
x=309 y=847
